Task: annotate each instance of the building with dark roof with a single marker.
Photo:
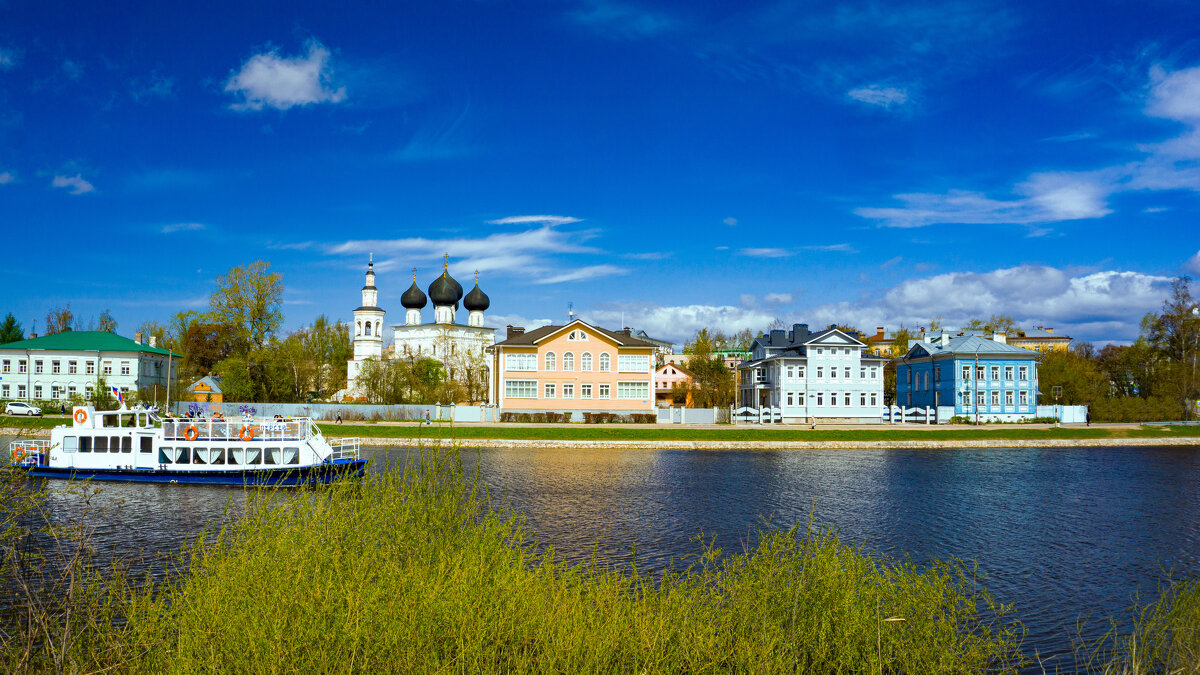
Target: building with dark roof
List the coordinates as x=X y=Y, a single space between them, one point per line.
x=577 y=368
x=822 y=376
x=76 y=363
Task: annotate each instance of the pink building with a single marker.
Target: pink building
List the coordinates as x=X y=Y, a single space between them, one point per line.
x=574 y=368
x=665 y=378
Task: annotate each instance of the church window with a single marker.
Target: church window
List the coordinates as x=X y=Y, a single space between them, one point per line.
x=368 y=329
x=605 y=362
x=358 y=328
x=585 y=362
x=550 y=365
x=568 y=361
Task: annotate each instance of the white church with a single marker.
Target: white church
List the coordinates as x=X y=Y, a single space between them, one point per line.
x=440 y=339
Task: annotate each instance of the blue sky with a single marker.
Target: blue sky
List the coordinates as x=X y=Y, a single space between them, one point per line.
x=673 y=164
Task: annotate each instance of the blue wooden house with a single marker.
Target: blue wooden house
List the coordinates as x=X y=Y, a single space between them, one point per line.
x=979 y=377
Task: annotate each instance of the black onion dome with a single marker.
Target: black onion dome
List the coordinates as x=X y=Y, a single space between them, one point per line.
x=445 y=290
x=476 y=300
x=413 y=298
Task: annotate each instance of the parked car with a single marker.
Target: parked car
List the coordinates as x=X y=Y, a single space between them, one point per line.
x=18 y=408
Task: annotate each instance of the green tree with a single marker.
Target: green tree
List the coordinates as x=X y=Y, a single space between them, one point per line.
x=713 y=383
x=10 y=330
x=236 y=381
x=329 y=346
x=248 y=301
x=154 y=329
x=1082 y=380
x=107 y=323
x=997 y=323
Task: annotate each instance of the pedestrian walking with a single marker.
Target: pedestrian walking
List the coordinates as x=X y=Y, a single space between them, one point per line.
x=1089 y=417
x=339 y=416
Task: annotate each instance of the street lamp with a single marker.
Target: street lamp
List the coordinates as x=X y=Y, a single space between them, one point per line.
x=1056 y=390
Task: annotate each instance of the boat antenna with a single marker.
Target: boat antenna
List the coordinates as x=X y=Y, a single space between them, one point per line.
x=570 y=312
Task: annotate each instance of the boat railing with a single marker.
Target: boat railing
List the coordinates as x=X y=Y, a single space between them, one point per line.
x=245 y=429
x=29 y=452
x=344 y=448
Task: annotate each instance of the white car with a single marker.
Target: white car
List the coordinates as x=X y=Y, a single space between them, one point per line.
x=18 y=408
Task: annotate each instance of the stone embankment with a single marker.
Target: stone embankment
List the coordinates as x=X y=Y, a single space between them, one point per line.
x=677 y=444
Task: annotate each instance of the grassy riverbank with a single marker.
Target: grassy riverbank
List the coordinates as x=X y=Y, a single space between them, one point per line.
x=666 y=433
x=410 y=571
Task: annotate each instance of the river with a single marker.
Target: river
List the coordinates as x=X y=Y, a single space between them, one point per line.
x=1058 y=533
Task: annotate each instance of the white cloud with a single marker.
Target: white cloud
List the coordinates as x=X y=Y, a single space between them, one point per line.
x=527 y=255
x=652 y=255
x=583 y=273
x=1103 y=305
x=535 y=220
x=182 y=227
x=679 y=323
x=621 y=21
x=890 y=261
x=730 y=221
x=1051 y=197
x=884 y=97
x=270 y=80
x=832 y=248
x=7 y=177
x=774 y=299
x=76 y=184
x=1193 y=264
x=766 y=252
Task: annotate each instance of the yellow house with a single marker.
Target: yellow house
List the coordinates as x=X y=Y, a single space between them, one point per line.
x=207 y=390
x=1040 y=339
x=573 y=368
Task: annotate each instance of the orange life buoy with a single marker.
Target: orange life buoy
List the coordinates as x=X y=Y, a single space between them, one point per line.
x=19 y=454
x=191 y=433
x=247 y=434
x=81 y=416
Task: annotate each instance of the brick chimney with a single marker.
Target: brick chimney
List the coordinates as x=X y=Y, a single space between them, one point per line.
x=137 y=337
x=514 y=331
x=153 y=341
x=1002 y=338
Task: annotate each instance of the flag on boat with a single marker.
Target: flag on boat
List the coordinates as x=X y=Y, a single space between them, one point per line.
x=117 y=393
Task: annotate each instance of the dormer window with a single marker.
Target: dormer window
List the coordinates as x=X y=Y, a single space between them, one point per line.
x=576 y=335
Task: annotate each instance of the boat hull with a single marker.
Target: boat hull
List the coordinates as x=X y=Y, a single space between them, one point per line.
x=289 y=477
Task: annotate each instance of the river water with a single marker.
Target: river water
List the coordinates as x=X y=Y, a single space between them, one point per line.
x=1058 y=533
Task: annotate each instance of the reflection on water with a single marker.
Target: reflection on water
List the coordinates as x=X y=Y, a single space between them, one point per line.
x=1056 y=532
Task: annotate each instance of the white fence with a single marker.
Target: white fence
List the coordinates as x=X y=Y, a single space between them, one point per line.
x=692 y=415
x=898 y=415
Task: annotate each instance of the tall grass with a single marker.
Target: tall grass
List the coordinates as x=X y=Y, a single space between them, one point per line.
x=411 y=570
x=1165 y=636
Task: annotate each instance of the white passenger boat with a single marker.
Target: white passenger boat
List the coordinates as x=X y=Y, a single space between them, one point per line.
x=137 y=445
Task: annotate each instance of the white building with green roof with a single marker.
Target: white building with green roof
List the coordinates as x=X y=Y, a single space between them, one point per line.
x=57 y=367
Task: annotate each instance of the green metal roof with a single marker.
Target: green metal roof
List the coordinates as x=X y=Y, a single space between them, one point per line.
x=83 y=341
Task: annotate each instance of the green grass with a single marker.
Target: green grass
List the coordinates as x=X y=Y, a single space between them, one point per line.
x=411 y=571
x=446 y=432
x=14 y=422
x=1165 y=636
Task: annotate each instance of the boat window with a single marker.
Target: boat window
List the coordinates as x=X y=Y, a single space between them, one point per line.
x=271 y=455
x=101 y=443
x=85 y=443
x=129 y=420
x=166 y=455
x=200 y=456
x=216 y=456
x=70 y=443
x=291 y=455
x=183 y=456
x=111 y=420
x=253 y=455
x=147 y=444
x=127 y=444
x=236 y=455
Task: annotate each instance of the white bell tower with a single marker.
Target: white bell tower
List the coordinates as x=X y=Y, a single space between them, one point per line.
x=368 y=320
